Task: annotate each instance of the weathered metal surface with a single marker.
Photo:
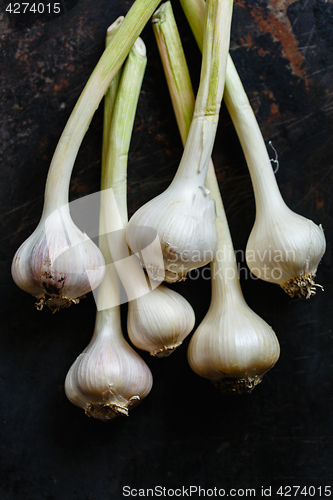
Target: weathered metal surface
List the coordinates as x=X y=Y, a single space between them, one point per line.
x=185 y=432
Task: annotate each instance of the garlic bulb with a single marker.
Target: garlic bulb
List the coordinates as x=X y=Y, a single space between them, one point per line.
x=283 y=247
x=109 y=377
x=233 y=346
x=58 y=263
x=37 y=264
x=159 y=321
x=184 y=216
x=184 y=219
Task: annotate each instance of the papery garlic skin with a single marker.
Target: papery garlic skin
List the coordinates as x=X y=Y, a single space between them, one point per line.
x=159 y=321
x=233 y=347
x=286 y=248
x=58 y=264
x=184 y=220
x=278 y=232
x=109 y=377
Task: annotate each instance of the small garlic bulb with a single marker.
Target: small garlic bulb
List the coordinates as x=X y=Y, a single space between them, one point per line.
x=159 y=321
x=286 y=248
x=58 y=263
x=283 y=247
x=233 y=347
x=184 y=219
x=109 y=377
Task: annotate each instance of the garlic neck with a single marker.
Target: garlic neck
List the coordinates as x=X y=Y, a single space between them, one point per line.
x=265 y=187
x=193 y=167
x=108 y=324
x=224 y=271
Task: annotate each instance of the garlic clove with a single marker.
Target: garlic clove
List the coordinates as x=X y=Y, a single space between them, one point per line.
x=58 y=264
x=233 y=347
x=109 y=377
x=185 y=225
x=159 y=321
x=286 y=248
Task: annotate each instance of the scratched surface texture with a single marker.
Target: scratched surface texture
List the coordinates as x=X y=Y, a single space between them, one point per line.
x=185 y=433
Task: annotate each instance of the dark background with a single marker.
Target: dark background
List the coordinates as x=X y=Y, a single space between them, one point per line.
x=185 y=432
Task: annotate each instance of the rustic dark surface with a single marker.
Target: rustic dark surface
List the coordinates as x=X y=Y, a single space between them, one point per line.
x=185 y=433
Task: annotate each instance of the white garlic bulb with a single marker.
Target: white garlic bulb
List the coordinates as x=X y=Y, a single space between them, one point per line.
x=184 y=219
x=58 y=263
x=184 y=216
x=109 y=377
x=283 y=247
x=159 y=321
x=233 y=347
x=286 y=248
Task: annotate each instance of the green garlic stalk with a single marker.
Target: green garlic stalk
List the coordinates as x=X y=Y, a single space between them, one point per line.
x=233 y=346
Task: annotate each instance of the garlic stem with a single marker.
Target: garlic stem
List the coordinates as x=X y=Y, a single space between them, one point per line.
x=109 y=377
x=114 y=173
x=266 y=191
x=183 y=216
x=158 y=319
x=208 y=100
x=122 y=126
x=232 y=346
x=284 y=247
x=175 y=67
x=110 y=96
x=56 y=190
x=244 y=119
